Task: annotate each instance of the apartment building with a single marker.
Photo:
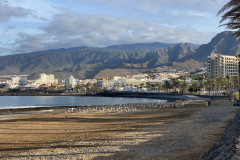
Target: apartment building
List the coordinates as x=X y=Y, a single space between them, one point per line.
x=47 y=79
x=71 y=81
x=219 y=65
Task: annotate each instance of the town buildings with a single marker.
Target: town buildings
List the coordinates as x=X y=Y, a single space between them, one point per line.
x=138 y=83
x=219 y=65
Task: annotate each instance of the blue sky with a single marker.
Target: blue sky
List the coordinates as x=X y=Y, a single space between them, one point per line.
x=33 y=25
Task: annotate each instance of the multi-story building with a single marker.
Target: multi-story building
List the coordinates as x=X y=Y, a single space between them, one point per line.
x=105 y=83
x=71 y=81
x=219 y=65
x=47 y=79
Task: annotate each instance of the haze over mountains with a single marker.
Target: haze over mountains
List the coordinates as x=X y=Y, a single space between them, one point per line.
x=85 y=62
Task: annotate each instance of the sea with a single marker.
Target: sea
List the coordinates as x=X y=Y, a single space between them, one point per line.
x=7 y=102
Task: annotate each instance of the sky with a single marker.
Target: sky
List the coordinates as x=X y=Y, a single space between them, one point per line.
x=34 y=25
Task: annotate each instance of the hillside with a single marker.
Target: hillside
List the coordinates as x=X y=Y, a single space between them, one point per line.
x=189 y=64
x=223 y=43
x=87 y=62
x=148 y=47
x=110 y=73
x=84 y=62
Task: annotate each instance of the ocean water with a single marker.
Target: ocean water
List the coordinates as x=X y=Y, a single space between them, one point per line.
x=48 y=101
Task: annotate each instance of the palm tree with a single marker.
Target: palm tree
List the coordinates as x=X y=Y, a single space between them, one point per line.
x=159 y=87
x=184 y=87
x=229 y=83
x=167 y=85
x=195 y=86
x=231 y=12
x=175 y=84
x=221 y=83
x=141 y=85
x=235 y=83
x=88 y=86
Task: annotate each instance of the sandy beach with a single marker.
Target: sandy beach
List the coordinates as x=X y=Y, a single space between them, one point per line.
x=146 y=133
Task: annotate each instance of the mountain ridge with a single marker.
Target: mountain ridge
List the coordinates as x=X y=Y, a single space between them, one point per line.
x=86 y=62
x=223 y=43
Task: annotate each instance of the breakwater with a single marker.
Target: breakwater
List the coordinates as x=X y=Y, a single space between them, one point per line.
x=168 y=97
x=41 y=94
x=228 y=145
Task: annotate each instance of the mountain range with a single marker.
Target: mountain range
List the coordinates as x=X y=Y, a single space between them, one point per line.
x=87 y=62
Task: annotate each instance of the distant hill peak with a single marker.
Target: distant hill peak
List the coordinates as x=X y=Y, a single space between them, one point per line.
x=86 y=62
x=141 y=46
x=223 y=43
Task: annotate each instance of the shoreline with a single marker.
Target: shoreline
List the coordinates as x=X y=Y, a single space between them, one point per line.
x=40 y=108
x=15 y=110
x=186 y=99
x=161 y=96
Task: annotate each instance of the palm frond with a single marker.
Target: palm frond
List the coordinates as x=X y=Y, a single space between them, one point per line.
x=227 y=6
x=231 y=12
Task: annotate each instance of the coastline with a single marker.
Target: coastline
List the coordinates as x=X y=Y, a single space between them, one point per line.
x=167 y=133
x=162 y=96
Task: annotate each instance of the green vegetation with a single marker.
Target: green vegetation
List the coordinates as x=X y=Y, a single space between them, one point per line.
x=231 y=13
x=197 y=84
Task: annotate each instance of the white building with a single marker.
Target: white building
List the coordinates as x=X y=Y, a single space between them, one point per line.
x=219 y=65
x=116 y=78
x=155 y=81
x=47 y=79
x=134 y=83
x=105 y=83
x=71 y=81
x=17 y=82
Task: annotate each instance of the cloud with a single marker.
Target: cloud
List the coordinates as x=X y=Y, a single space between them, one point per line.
x=56 y=24
x=27 y=42
x=156 y=6
x=7 y=12
x=103 y=30
x=71 y=30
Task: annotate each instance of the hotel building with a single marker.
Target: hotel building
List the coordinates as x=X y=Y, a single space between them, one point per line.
x=47 y=79
x=71 y=81
x=219 y=65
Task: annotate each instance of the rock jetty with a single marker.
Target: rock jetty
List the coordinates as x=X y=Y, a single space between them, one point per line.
x=228 y=146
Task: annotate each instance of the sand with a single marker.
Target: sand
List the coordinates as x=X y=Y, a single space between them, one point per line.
x=165 y=133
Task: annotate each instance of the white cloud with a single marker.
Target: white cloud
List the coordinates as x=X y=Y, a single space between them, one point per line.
x=7 y=12
x=27 y=42
x=71 y=30
x=42 y=24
